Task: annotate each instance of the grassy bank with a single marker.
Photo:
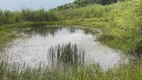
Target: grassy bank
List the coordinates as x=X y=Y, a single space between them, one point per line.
x=91 y=72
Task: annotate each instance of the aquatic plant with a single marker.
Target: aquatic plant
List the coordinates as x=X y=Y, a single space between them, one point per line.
x=66 y=55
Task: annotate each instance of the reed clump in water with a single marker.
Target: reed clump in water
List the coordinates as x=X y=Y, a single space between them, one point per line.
x=67 y=55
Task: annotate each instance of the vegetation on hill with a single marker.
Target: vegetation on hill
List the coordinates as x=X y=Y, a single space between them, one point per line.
x=120 y=22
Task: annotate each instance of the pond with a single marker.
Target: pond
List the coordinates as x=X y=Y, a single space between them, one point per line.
x=53 y=45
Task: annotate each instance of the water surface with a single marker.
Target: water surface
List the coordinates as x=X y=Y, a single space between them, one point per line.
x=33 y=48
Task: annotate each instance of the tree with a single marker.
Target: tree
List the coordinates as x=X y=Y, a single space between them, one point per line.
x=86 y=2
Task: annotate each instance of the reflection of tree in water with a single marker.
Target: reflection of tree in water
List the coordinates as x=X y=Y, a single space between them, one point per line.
x=43 y=31
x=66 y=55
x=88 y=31
x=72 y=29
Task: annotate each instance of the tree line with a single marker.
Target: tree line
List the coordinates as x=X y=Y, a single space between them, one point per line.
x=8 y=17
x=103 y=2
x=83 y=3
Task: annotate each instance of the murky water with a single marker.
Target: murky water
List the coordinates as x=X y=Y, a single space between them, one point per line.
x=33 y=48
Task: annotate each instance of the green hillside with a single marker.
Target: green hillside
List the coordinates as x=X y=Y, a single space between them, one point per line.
x=120 y=22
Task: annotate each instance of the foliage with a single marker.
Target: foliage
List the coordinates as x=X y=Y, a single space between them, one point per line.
x=83 y=3
x=103 y=2
x=8 y=17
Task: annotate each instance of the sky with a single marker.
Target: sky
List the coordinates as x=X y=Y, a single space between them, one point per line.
x=33 y=4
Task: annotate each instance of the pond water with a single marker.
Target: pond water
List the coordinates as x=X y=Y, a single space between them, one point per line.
x=34 y=47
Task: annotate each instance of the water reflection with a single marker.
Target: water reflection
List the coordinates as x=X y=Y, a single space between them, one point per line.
x=45 y=31
x=42 y=31
x=32 y=49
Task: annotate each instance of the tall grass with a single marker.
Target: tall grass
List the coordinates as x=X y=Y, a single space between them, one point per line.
x=67 y=55
x=90 y=72
x=81 y=73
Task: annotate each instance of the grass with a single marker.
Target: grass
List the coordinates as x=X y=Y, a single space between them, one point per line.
x=82 y=73
x=126 y=72
x=91 y=72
